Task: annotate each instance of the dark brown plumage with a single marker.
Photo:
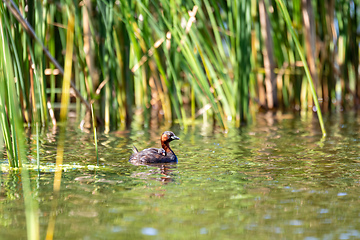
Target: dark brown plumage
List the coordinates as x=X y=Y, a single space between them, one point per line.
x=156 y=155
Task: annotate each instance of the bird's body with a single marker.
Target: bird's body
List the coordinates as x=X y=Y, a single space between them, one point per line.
x=156 y=155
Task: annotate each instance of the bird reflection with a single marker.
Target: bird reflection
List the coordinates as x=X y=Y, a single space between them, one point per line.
x=160 y=172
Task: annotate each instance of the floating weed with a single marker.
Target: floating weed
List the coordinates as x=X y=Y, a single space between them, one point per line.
x=51 y=168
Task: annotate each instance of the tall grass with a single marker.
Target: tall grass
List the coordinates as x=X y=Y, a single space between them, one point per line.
x=65 y=98
x=12 y=125
x=302 y=57
x=176 y=61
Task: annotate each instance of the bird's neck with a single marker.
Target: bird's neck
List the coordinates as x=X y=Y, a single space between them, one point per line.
x=166 y=146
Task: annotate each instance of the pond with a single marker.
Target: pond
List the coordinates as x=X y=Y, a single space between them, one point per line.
x=274 y=179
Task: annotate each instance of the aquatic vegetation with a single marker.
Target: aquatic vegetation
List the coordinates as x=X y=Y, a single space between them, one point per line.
x=167 y=61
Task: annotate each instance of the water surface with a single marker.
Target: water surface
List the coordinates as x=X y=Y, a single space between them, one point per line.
x=274 y=179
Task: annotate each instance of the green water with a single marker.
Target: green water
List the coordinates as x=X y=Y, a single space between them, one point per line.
x=274 y=179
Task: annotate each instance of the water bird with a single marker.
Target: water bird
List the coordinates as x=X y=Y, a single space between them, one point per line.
x=156 y=155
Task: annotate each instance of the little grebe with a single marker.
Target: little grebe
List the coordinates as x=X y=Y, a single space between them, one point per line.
x=156 y=155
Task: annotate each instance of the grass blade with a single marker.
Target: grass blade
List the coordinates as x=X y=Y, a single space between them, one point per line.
x=65 y=99
x=286 y=16
x=95 y=136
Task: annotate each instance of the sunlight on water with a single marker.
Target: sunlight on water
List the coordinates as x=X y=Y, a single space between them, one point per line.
x=275 y=179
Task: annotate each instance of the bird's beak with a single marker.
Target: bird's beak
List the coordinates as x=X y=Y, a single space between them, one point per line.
x=175 y=138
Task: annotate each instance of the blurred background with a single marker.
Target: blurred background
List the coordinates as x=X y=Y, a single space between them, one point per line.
x=163 y=62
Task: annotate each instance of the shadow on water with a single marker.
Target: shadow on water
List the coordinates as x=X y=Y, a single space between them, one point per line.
x=275 y=179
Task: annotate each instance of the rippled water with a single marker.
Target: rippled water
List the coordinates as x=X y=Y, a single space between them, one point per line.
x=274 y=179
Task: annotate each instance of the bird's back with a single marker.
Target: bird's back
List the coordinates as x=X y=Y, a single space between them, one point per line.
x=152 y=155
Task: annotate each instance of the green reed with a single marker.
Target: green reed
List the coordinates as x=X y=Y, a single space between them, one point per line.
x=171 y=61
x=65 y=99
x=95 y=136
x=10 y=119
x=302 y=57
x=12 y=126
x=37 y=147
